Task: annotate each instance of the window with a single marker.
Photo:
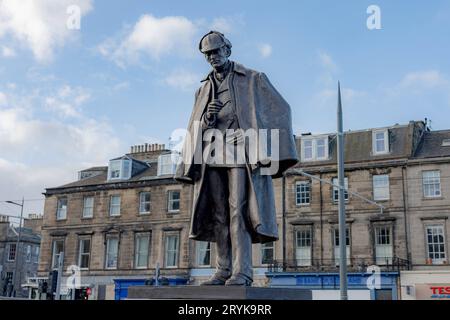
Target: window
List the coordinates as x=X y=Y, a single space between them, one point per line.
x=303 y=241
x=144 y=202
x=112 y=252
x=58 y=248
x=119 y=169
x=315 y=149
x=171 y=251
x=302 y=193
x=203 y=253
x=173 y=201
x=36 y=254
x=337 y=253
x=84 y=253
x=383 y=245
x=381 y=187
x=336 y=190
x=114 y=207
x=380 y=142
x=28 y=253
x=9 y=277
x=61 y=212
x=267 y=252
x=12 y=252
x=431 y=184
x=436 y=244
x=88 y=207
x=167 y=164
x=142 y=242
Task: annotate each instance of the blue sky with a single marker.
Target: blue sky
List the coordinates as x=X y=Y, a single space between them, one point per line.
x=75 y=98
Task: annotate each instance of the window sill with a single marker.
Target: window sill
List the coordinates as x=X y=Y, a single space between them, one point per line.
x=116 y=216
x=173 y=212
x=303 y=205
x=87 y=218
x=144 y=213
x=58 y=220
x=433 y=198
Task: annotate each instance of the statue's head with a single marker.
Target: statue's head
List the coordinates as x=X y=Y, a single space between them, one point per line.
x=216 y=48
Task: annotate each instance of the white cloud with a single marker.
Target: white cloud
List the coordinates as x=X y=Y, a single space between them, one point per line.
x=66 y=103
x=183 y=80
x=265 y=50
x=8 y=52
x=153 y=37
x=39 y=25
x=121 y=86
x=3 y=99
x=327 y=61
x=424 y=79
x=226 y=25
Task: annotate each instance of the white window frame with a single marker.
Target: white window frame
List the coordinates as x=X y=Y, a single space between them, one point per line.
x=55 y=255
x=384 y=246
x=385 y=133
x=268 y=246
x=432 y=254
x=433 y=182
x=337 y=252
x=381 y=192
x=111 y=205
x=203 y=250
x=12 y=252
x=125 y=166
x=168 y=251
x=61 y=211
x=88 y=209
x=335 y=191
x=37 y=251
x=301 y=193
x=81 y=252
x=303 y=246
x=143 y=202
x=109 y=254
x=167 y=164
x=314 y=148
x=28 y=253
x=139 y=252
x=171 y=201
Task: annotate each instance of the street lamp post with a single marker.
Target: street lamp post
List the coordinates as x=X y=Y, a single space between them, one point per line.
x=16 y=268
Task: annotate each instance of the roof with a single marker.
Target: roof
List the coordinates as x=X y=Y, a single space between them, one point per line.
x=431 y=145
x=358 y=146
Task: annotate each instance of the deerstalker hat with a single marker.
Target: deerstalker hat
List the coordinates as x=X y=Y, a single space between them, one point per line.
x=213 y=40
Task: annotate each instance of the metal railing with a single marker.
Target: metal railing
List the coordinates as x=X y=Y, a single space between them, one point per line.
x=394 y=264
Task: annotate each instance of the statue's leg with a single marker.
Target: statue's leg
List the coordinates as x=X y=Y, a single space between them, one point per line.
x=218 y=180
x=241 y=242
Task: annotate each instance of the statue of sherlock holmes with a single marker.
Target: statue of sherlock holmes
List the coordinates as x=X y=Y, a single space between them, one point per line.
x=239 y=138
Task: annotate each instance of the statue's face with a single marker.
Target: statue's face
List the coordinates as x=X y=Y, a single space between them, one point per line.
x=217 y=58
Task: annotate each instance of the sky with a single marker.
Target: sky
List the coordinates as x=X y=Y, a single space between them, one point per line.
x=74 y=95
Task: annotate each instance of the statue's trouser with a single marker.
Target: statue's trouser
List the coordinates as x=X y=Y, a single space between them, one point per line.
x=234 y=244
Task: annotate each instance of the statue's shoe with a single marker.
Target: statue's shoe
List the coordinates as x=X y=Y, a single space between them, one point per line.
x=238 y=281
x=215 y=280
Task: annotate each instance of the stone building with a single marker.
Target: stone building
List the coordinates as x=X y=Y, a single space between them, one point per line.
x=121 y=221
x=403 y=168
x=23 y=255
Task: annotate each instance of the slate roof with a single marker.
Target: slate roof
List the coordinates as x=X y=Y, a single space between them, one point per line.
x=431 y=145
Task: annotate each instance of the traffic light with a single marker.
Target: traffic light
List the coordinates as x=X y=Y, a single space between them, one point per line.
x=53 y=282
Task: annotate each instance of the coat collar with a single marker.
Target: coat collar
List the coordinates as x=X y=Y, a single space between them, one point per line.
x=235 y=67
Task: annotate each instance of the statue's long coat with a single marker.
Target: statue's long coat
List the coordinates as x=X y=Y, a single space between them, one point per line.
x=258 y=105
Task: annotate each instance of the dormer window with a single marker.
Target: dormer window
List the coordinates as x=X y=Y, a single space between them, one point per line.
x=119 y=169
x=167 y=164
x=380 y=142
x=315 y=148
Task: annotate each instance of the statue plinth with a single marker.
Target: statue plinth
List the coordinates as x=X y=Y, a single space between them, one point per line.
x=216 y=293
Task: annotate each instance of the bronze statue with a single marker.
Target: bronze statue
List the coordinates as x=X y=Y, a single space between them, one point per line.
x=234 y=203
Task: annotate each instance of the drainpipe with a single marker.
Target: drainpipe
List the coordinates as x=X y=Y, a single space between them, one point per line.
x=321 y=220
x=283 y=192
x=405 y=212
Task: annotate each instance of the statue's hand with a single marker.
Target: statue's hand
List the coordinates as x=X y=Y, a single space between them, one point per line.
x=235 y=138
x=213 y=108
